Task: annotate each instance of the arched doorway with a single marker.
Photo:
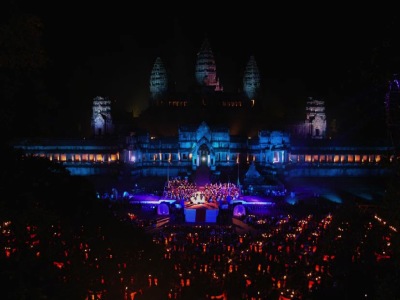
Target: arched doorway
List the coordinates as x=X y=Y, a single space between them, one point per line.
x=204 y=155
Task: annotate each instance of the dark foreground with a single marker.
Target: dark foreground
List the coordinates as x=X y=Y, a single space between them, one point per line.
x=60 y=242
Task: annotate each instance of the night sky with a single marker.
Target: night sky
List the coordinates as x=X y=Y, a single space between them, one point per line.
x=109 y=49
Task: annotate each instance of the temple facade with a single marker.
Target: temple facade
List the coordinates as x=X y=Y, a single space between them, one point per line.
x=272 y=152
x=314 y=126
x=302 y=150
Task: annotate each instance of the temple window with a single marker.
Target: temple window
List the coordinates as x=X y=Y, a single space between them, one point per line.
x=77 y=157
x=342 y=158
x=357 y=158
x=364 y=158
x=63 y=157
x=315 y=158
x=99 y=157
x=308 y=158
x=91 y=157
x=113 y=157
x=322 y=158
x=350 y=158
x=377 y=158
x=336 y=158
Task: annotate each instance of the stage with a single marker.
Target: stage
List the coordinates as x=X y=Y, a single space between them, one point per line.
x=201 y=213
x=195 y=212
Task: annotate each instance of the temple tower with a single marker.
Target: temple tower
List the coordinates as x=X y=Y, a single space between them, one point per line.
x=206 y=71
x=158 y=82
x=102 y=123
x=315 y=119
x=251 y=79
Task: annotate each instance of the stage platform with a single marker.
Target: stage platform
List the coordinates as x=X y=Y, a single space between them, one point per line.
x=201 y=213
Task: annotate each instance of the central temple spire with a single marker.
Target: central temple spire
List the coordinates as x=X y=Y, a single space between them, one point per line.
x=206 y=70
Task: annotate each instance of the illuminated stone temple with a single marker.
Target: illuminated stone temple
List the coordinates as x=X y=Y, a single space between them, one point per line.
x=203 y=135
x=251 y=79
x=158 y=82
x=206 y=70
x=102 y=123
